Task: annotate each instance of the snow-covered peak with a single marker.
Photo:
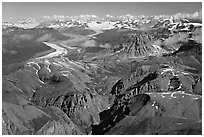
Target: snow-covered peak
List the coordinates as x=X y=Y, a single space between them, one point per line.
x=109 y=16
x=185 y=15
x=127 y=21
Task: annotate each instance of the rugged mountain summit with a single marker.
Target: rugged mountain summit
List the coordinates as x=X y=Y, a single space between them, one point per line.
x=86 y=21
x=114 y=75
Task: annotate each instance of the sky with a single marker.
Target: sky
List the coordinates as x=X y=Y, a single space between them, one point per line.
x=19 y=10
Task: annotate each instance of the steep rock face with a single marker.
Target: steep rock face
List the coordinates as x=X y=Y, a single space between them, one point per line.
x=118 y=111
x=125 y=102
x=64 y=125
x=83 y=109
x=21 y=116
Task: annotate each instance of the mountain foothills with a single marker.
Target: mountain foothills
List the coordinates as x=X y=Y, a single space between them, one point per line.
x=86 y=75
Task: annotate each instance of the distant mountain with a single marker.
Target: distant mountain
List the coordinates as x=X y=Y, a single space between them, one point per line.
x=125 y=21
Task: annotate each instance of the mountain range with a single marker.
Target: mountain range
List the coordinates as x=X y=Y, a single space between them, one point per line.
x=87 y=75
